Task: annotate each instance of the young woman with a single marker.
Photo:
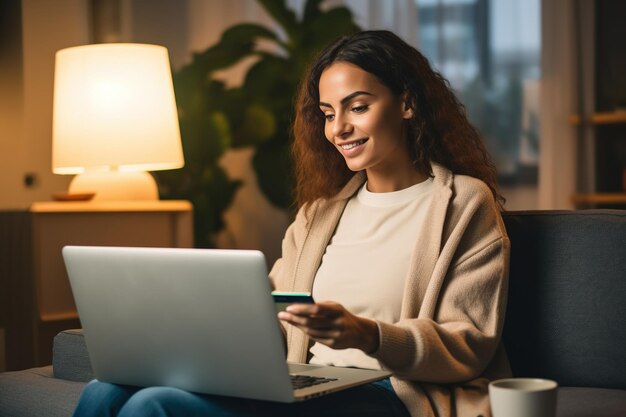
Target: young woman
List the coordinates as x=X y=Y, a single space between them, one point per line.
x=398 y=236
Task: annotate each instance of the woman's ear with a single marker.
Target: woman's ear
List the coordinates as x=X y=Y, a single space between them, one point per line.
x=407 y=113
x=407 y=108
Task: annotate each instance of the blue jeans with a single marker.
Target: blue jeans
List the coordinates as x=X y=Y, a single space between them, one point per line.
x=376 y=399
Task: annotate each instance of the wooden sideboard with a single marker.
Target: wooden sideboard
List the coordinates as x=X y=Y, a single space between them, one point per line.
x=35 y=296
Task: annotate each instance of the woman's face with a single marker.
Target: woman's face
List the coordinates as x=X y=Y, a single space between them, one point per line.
x=364 y=120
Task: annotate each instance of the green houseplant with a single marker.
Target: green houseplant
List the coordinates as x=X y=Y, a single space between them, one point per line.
x=214 y=118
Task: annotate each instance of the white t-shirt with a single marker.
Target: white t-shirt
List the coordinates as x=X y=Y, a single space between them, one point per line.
x=365 y=265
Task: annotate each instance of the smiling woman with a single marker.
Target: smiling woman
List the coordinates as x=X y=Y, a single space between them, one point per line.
x=366 y=122
x=398 y=238
x=400 y=220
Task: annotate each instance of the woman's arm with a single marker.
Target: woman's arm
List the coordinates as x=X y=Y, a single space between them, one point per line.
x=458 y=343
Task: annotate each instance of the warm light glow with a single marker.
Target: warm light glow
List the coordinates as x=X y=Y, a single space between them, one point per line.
x=114 y=109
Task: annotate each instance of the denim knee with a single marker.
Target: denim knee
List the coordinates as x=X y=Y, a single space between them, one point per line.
x=101 y=399
x=173 y=402
x=158 y=402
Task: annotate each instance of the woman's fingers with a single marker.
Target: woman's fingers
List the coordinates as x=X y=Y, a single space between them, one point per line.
x=325 y=309
x=331 y=324
x=321 y=315
x=328 y=334
x=318 y=322
x=323 y=322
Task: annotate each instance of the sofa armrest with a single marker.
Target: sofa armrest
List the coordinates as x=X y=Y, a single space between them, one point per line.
x=70 y=359
x=35 y=392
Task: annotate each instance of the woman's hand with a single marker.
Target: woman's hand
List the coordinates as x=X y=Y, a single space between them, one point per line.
x=331 y=324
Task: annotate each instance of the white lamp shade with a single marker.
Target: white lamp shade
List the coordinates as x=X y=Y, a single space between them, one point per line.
x=114 y=108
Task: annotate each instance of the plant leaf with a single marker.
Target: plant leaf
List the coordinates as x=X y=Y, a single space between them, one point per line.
x=311 y=9
x=272 y=164
x=215 y=194
x=283 y=15
x=220 y=55
x=327 y=26
x=259 y=125
x=245 y=33
x=271 y=79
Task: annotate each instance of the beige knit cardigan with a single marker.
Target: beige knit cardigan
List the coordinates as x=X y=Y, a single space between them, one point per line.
x=446 y=346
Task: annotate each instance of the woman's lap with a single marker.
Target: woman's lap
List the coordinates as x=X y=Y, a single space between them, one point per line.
x=103 y=399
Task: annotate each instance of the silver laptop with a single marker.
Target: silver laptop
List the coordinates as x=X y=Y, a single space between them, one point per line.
x=198 y=319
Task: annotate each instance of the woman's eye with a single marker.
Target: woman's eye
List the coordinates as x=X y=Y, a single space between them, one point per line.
x=359 y=109
x=329 y=117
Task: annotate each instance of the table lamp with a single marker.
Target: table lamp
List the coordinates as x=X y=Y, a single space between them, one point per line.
x=114 y=119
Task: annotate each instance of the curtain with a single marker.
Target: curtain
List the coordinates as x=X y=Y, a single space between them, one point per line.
x=559 y=98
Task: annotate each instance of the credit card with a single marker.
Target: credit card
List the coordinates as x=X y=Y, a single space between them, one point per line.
x=283 y=298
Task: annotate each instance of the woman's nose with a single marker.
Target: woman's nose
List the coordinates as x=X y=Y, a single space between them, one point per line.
x=341 y=127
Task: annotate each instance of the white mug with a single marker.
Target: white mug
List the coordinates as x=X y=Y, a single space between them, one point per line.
x=523 y=397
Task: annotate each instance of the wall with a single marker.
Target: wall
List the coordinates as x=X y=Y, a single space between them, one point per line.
x=26 y=141
x=11 y=103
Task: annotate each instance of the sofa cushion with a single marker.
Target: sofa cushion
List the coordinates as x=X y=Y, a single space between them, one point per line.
x=35 y=393
x=28 y=393
x=566 y=314
x=70 y=359
x=590 y=402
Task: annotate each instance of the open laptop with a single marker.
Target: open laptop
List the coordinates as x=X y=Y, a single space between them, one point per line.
x=198 y=319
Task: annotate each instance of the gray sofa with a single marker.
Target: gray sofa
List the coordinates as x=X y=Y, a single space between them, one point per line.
x=49 y=391
x=566 y=320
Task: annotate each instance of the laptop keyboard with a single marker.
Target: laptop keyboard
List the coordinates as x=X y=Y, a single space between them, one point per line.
x=305 y=381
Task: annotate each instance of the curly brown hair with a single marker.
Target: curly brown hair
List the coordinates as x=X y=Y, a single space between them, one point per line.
x=439 y=130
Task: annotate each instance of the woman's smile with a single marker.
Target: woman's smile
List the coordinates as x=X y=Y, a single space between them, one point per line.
x=352 y=148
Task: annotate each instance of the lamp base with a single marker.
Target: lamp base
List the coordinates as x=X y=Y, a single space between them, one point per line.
x=116 y=185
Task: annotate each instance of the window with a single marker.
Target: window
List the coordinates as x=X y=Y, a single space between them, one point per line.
x=489 y=50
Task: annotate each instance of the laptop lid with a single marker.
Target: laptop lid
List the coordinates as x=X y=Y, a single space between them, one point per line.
x=198 y=319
